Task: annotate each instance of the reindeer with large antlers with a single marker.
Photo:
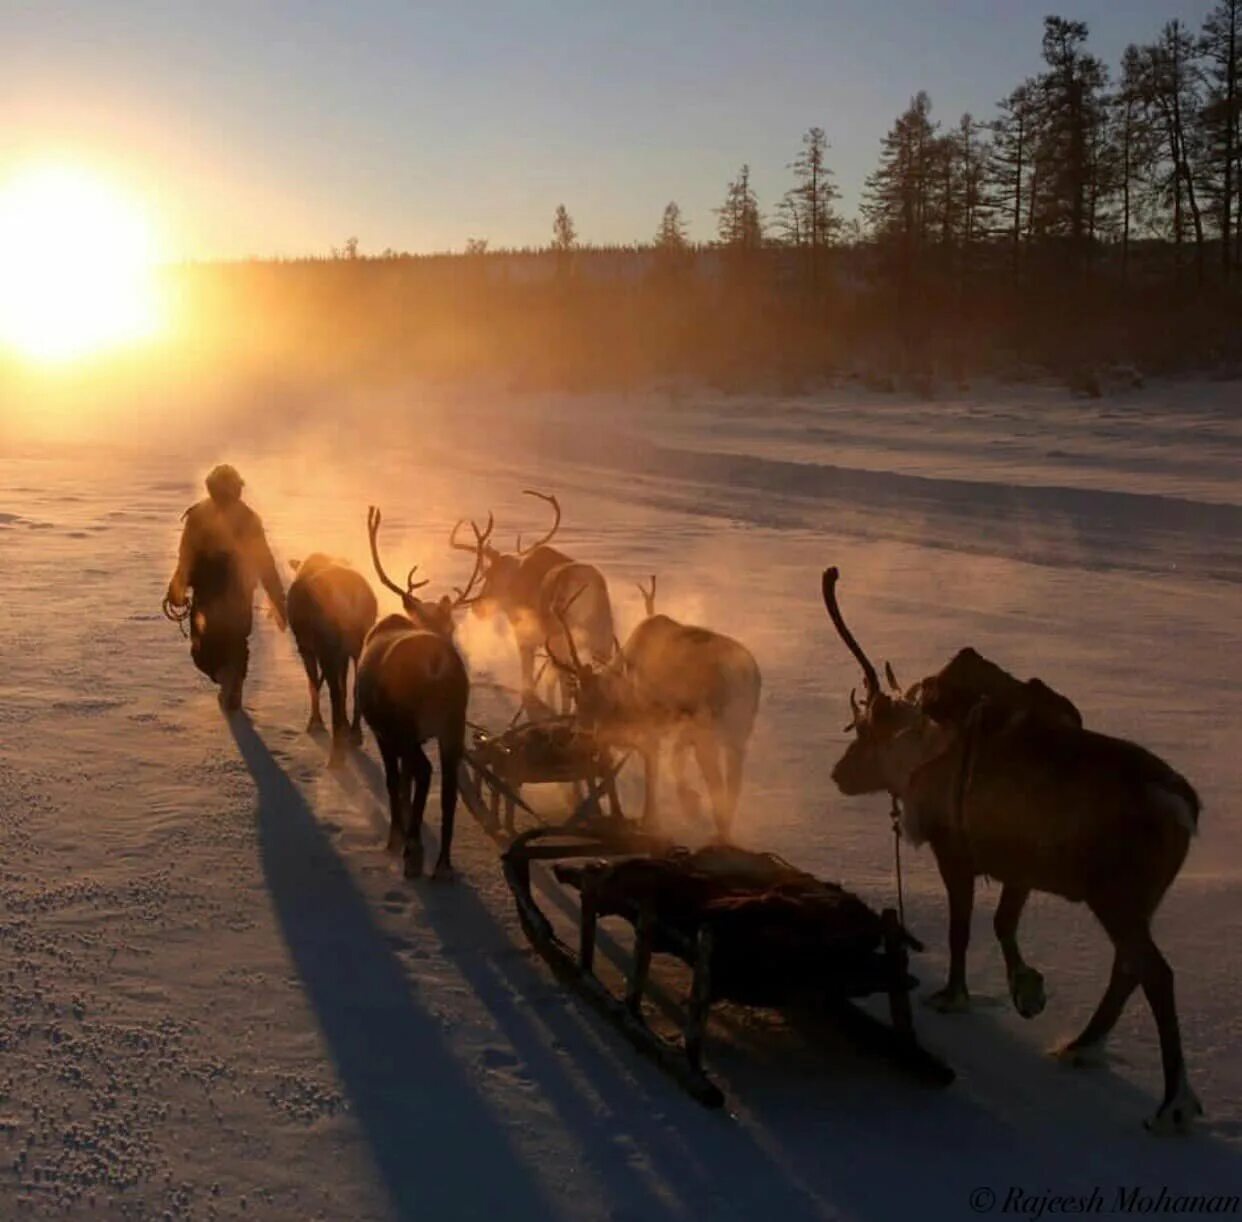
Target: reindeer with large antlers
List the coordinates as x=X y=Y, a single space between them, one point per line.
x=1017 y=791
x=698 y=687
x=527 y=585
x=413 y=687
x=331 y=609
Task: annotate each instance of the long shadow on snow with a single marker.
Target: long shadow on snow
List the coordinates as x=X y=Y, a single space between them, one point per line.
x=706 y=1164
x=435 y=1160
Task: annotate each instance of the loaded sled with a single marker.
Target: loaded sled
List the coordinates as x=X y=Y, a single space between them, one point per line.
x=753 y=930
x=547 y=750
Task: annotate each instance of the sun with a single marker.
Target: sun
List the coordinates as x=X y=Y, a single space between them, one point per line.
x=77 y=275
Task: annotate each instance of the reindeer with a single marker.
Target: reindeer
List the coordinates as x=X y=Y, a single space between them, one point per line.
x=413 y=687
x=671 y=678
x=527 y=586
x=331 y=609
x=1039 y=804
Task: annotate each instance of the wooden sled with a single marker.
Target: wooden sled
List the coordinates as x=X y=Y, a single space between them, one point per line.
x=547 y=750
x=752 y=929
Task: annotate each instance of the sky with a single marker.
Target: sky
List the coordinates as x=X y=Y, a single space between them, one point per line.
x=270 y=127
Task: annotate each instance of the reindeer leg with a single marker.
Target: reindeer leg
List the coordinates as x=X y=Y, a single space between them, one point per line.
x=707 y=752
x=335 y=669
x=313 y=680
x=651 y=759
x=420 y=765
x=450 y=764
x=735 y=761
x=1179 y=1107
x=1026 y=985
x=392 y=779
x=355 y=730
x=959 y=881
x=691 y=807
x=1087 y=1048
x=526 y=657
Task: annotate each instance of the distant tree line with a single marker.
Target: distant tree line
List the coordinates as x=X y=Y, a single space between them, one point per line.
x=1094 y=217
x=1075 y=160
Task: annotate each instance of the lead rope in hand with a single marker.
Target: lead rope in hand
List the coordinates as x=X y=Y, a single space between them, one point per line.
x=178 y=615
x=895 y=816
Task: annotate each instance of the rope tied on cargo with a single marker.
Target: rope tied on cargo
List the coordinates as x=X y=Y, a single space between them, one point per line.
x=971 y=732
x=895 y=815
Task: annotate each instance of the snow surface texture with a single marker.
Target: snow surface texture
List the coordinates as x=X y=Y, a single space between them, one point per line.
x=222 y=1000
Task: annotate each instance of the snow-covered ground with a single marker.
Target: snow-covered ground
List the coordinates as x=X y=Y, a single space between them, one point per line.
x=222 y=1000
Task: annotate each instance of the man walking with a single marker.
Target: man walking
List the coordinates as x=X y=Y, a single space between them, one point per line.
x=223 y=555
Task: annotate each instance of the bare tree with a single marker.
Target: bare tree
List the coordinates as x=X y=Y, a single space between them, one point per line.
x=1172 y=95
x=564 y=235
x=1134 y=144
x=897 y=196
x=1221 y=120
x=1010 y=164
x=740 y=224
x=789 y=219
x=807 y=209
x=670 y=236
x=1071 y=105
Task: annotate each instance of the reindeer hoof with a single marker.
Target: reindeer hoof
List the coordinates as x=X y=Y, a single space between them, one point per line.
x=1177 y=1115
x=413 y=864
x=395 y=839
x=948 y=1001
x=1026 y=987
x=315 y=725
x=355 y=736
x=1080 y=1056
x=444 y=871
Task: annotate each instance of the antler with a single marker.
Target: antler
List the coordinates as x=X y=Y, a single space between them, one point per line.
x=480 y=538
x=870 y=678
x=648 y=595
x=463 y=598
x=374 y=518
x=854 y=710
x=559 y=610
x=556 y=525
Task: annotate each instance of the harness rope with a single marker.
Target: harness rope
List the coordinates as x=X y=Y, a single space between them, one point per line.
x=961 y=788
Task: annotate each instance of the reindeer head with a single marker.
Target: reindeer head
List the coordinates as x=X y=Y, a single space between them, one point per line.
x=500 y=569
x=892 y=735
x=434 y=616
x=601 y=691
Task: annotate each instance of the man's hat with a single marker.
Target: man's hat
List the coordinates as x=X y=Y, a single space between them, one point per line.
x=224 y=484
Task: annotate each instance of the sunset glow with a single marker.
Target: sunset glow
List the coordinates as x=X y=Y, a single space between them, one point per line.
x=78 y=270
